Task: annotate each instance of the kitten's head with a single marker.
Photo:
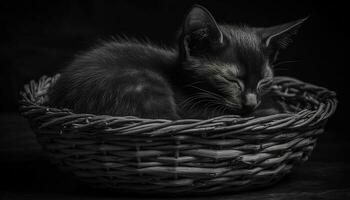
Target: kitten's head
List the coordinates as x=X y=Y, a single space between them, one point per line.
x=231 y=65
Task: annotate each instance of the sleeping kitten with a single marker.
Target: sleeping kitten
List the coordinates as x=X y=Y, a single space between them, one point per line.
x=214 y=70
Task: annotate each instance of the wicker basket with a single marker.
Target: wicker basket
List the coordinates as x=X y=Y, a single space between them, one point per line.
x=226 y=153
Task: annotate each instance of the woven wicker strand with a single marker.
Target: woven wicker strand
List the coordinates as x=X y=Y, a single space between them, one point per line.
x=226 y=153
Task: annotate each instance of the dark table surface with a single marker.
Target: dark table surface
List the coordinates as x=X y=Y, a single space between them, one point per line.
x=26 y=173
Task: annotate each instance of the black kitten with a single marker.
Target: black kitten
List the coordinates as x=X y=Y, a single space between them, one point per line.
x=215 y=70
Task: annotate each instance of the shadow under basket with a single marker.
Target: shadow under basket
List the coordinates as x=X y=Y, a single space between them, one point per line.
x=226 y=153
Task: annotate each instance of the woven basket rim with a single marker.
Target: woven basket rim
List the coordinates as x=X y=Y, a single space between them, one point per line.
x=32 y=98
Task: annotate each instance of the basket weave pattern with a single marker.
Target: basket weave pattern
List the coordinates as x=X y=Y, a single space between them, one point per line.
x=187 y=156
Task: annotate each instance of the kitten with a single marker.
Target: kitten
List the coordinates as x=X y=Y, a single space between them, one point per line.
x=214 y=70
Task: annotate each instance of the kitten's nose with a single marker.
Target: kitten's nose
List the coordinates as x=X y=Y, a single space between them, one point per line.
x=250 y=102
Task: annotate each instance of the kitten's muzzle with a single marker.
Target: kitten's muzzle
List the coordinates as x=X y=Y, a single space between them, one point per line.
x=250 y=102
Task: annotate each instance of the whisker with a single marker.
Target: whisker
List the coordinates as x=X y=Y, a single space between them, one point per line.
x=188 y=101
x=211 y=103
x=285 y=62
x=191 y=84
x=206 y=91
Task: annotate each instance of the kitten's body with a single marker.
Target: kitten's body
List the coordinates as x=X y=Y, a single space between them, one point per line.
x=199 y=79
x=128 y=78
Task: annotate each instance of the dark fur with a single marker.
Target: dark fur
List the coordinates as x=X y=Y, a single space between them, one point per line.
x=216 y=70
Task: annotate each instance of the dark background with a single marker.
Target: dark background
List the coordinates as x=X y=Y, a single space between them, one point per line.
x=41 y=37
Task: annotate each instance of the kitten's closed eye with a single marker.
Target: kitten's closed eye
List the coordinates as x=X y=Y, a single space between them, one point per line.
x=264 y=85
x=235 y=81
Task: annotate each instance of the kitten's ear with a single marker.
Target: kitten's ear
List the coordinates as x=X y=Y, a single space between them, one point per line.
x=200 y=31
x=280 y=36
